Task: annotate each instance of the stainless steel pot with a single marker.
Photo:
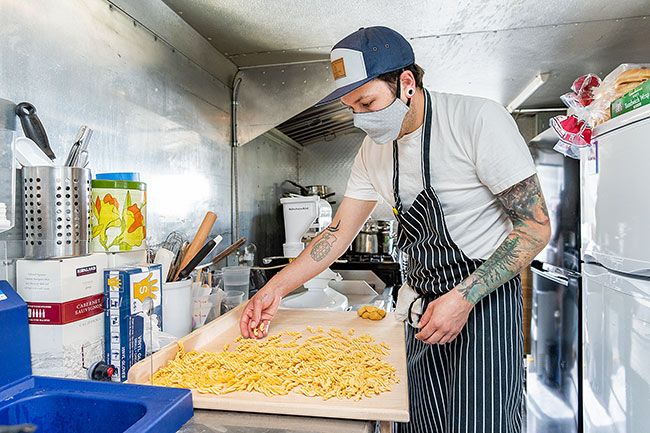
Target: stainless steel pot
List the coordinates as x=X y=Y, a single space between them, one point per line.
x=320 y=190
x=386 y=235
x=367 y=241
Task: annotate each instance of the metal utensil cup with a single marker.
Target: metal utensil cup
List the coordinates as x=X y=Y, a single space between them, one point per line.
x=56 y=212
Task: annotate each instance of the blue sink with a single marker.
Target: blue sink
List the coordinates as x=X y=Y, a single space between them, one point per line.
x=76 y=406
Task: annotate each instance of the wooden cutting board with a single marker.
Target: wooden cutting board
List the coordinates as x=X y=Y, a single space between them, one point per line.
x=389 y=406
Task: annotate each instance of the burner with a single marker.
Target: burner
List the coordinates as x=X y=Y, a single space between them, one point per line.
x=368 y=258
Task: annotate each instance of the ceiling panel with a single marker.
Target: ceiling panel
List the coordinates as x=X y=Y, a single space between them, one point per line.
x=491 y=48
x=238 y=27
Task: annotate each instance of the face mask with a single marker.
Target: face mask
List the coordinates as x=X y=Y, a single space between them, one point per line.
x=382 y=126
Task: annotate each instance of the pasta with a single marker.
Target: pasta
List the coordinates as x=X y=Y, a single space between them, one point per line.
x=328 y=364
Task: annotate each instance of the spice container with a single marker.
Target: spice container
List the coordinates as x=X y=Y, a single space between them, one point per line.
x=118 y=217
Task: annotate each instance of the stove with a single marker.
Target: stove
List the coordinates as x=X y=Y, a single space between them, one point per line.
x=367 y=258
x=386 y=269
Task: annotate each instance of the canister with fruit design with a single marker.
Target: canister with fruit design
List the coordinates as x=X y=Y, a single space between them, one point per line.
x=118 y=215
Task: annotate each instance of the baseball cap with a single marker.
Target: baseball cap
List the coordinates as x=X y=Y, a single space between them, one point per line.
x=364 y=55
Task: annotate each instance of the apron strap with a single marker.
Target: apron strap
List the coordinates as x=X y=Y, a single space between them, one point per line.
x=426 y=141
x=426 y=300
x=425 y=145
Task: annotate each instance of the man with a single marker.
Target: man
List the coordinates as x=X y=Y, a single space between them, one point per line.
x=471 y=216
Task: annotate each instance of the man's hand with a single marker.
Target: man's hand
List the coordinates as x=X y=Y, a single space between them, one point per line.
x=444 y=318
x=260 y=310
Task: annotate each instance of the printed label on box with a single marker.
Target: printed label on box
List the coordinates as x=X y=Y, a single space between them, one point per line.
x=133 y=295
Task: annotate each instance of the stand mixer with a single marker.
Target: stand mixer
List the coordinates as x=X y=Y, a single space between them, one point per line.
x=304 y=218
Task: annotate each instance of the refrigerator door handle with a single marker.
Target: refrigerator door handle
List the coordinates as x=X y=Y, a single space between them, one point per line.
x=553 y=276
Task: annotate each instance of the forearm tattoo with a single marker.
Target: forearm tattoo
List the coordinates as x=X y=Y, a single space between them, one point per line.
x=524 y=204
x=334 y=229
x=323 y=246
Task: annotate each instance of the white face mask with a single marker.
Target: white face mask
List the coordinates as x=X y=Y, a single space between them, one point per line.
x=382 y=126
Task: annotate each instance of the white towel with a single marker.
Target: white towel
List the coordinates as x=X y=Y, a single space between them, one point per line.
x=405 y=297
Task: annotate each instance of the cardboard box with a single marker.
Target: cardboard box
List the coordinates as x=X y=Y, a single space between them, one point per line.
x=133 y=296
x=635 y=98
x=126 y=258
x=65 y=308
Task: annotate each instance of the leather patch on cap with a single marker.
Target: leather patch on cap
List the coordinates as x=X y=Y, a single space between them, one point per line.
x=338 y=68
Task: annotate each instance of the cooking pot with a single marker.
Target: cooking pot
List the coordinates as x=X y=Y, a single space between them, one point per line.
x=320 y=190
x=367 y=241
x=386 y=234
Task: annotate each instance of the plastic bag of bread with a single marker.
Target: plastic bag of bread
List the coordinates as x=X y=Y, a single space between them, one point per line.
x=621 y=80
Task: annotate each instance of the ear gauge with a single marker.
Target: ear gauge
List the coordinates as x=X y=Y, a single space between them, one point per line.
x=410 y=92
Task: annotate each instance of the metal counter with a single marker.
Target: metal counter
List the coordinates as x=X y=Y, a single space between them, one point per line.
x=211 y=421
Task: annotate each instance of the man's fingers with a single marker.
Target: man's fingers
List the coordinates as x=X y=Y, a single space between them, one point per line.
x=436 y=337
x=428 y=313
x=257 y=313
x=426 y=331
x=244 y=321
x=452 y=337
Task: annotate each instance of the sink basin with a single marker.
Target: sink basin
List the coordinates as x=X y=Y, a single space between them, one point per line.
x=66 y=412
x=62 y=405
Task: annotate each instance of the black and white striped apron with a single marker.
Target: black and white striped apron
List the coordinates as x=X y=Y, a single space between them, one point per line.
x=475 y=383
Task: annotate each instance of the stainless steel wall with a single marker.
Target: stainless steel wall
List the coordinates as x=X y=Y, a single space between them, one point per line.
x=154 y=109
x=263 y=164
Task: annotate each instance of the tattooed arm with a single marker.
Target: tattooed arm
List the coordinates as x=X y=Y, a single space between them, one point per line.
x=319 y=254
x=524 y=203
x=446 y=316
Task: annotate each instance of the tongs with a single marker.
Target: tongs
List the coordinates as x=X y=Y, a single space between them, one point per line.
x=78 y=156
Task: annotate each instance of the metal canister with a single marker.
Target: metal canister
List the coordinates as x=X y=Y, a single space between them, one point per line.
x=367 y=241
x=56 y=212
x=386 y=234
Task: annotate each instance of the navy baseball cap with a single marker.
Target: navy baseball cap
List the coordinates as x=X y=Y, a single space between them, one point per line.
x=364 y=55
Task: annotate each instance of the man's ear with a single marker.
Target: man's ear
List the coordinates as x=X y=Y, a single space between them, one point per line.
x=408 y=80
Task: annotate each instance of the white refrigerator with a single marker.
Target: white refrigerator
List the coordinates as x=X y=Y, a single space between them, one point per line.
x=615 y=236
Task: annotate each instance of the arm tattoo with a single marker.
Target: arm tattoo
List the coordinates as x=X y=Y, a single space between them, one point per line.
x=524 y=204
x=323 y=246
x=334 y=229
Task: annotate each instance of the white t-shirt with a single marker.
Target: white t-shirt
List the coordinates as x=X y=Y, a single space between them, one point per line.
x=476 y=152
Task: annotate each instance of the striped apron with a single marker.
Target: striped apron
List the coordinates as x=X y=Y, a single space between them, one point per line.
x=475 y=383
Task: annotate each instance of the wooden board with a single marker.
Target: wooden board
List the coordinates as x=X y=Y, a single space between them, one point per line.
x=389 y=406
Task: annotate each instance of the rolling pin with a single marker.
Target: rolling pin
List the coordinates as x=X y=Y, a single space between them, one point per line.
x=199 y=240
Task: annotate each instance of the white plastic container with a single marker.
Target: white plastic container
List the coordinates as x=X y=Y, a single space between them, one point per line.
x=177 y=308
x=7 y=164
x=236 y=278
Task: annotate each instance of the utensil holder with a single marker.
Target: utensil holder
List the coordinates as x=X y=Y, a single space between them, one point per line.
x=56 y=212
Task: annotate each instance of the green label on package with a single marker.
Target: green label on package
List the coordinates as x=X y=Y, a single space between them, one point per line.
x=635 y=98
